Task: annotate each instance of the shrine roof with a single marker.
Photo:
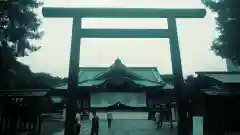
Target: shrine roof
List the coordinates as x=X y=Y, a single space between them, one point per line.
x=142 y=76
x=147 y=73
x=99 y=82
x=224 y=77
x=21 y=93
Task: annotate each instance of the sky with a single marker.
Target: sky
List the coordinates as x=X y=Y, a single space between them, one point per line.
x=195 y=38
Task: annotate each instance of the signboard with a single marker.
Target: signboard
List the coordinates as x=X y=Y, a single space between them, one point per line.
x=197 y=125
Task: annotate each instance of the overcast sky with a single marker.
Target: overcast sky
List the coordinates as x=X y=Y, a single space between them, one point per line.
x=195 y=37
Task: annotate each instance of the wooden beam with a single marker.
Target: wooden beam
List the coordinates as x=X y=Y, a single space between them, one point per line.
x=178 y=76
x=26 y=90
x=122 y=12
x=124 y=33
x=73 y=78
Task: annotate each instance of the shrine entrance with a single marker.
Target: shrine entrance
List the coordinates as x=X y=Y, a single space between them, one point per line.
x=127 y=92
x=77 y=33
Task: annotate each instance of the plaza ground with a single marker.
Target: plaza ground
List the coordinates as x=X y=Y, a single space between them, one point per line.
x=119 y=127
x=124 y=124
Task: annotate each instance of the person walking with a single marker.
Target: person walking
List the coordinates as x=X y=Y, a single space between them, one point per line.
x=77 y=127
x=159 y=119
x=109 y=119
x=95 y=124
x=78 y=117
x=157 y=122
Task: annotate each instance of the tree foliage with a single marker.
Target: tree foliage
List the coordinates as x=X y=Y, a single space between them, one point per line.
x=19 y=24
x=24 y=78
x=227 y=44
x=48 y=80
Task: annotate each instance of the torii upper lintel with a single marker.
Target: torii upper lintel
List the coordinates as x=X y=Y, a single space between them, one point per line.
x=122 y=12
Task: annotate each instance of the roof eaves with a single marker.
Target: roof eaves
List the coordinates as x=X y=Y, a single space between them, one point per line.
x=97 y=68
x=217 y=72
x=158 y=78
x=127 y=70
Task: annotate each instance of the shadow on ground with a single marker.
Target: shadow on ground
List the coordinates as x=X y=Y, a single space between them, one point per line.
x=51 y=127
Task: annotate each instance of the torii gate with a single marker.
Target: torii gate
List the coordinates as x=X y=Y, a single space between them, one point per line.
x=77 y=33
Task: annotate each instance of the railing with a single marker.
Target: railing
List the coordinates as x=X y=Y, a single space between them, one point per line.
x=16 y=124
x=15 y=115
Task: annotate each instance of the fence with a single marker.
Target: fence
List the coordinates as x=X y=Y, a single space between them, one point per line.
x=20 y=112
x=19 y=125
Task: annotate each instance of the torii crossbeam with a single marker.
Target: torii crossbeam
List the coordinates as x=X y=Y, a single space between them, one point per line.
x=77 y=33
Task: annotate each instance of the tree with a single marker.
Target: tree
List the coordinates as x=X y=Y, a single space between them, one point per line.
x=19 y=25
x=227 y=44
x=47 y=80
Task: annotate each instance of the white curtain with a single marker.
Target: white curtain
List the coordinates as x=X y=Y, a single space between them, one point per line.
x=105 y=99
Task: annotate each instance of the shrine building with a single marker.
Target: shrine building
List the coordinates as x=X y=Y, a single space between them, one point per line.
x=122 y=88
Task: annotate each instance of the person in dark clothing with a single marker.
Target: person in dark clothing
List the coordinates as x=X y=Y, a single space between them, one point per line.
x=109 y=119
x=77 y=127
x=95 y=124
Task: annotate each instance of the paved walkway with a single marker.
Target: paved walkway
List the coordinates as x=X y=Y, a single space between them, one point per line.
x=126 y=127
x=124 y=123
x=123 y=115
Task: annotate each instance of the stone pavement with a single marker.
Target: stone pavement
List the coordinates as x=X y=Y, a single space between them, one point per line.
x=127 y=127
x=123 y=115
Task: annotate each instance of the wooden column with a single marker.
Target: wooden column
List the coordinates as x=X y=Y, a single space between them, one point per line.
x=73 y=78
x=177 y=72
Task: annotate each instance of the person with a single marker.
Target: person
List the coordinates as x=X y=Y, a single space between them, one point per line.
x=95 y=124
x=78 y=117
x=109 y=119
x=161 y=117
x=159 y=120
x=77 y=127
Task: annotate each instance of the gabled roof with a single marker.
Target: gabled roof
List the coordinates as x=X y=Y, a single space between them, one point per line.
x=142 y=76
x=149 y=73
x=117 y=69
x=99 y=82
x=118 y=73
x=224 y=77
x=219 y=83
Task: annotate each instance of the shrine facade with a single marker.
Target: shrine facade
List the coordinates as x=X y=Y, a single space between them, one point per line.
x=122 y=88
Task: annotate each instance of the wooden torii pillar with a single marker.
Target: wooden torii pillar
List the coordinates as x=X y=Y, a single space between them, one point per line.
x=77 y=33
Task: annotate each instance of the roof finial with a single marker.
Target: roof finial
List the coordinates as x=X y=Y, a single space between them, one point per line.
x=118 y=61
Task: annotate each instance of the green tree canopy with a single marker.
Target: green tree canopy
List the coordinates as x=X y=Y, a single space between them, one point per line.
x=47 y=79
x=19 y=24
x=227 y=44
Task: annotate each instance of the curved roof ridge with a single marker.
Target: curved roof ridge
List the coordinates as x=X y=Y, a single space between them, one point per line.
x=114 y=65
x=118 y=65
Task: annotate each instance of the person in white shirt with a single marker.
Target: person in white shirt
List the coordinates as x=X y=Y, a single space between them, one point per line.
x=77 y=123
x=158 y=120
x=78 y=117
x=109 y=119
